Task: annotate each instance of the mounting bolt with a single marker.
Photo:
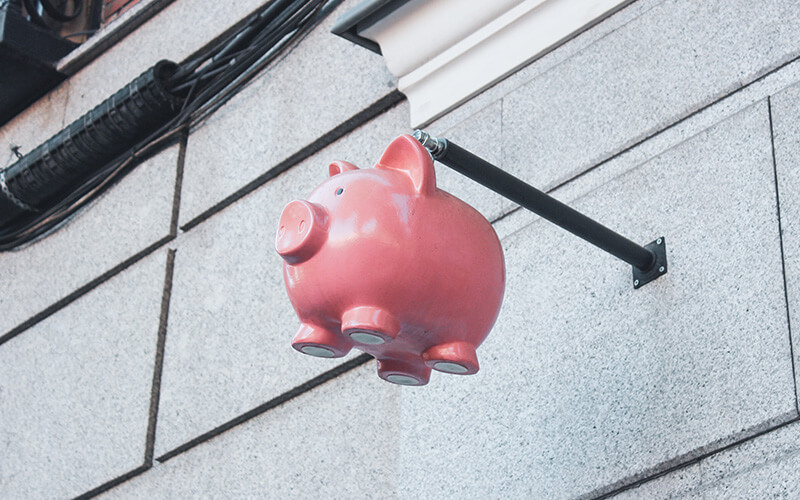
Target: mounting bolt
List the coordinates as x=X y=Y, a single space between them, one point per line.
x=658 y=267
x=432 y=144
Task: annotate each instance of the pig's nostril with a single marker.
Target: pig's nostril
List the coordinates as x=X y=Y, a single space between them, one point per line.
x=302 y=230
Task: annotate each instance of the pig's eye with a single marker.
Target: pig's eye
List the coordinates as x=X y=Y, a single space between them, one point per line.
x=339 y=191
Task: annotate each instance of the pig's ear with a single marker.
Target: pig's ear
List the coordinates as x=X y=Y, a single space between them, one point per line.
x=338 y=167
x=406 y=154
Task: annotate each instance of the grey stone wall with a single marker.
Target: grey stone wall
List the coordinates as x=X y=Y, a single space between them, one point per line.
x=144 y=347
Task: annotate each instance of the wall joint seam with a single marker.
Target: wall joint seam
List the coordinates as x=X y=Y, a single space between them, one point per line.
x=364 y=116
x=83 y=290
x=783 y=254
x=273 y=403
x=158 y=365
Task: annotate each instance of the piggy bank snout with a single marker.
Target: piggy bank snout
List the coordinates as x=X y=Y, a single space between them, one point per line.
x=301 y=231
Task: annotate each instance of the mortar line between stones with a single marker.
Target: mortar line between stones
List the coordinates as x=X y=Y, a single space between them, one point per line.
x=783 y=253
x=502 y=133
x=513 y=209
x=796 y=414
x=83 y=290
x=176 y=196
x=155 y=392
x=677 y=122
x=687 y=462
x=364 y=116
x=273 y=403
x=111 y=484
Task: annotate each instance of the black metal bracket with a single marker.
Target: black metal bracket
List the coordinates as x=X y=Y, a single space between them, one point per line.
x=649 y=262
x=659 y=267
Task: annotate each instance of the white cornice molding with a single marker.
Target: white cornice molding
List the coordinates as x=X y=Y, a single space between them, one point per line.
x=443 y=52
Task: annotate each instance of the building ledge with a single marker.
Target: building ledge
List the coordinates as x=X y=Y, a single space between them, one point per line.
x=443 y=52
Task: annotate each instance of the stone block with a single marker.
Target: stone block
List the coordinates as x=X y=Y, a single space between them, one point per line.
x=565 y=51
x=231 y=323
x=337 y=441
x=75 y=389
x=763 y=467
x=587 y=383
x=127 y=219
x=660 y=67
x=324 y=81
x=786 y=128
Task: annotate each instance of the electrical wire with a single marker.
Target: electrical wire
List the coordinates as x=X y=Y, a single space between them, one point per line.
x=208 y=79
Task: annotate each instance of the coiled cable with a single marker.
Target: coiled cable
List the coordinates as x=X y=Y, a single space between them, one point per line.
x=51 y=183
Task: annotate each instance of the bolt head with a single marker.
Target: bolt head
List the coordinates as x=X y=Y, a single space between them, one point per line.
x=661 y=269
x=658 y=241
x=635 y=282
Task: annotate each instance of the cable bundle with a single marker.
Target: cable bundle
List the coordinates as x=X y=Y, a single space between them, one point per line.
x=63 y=174
x=74 y=167
x=219 y=72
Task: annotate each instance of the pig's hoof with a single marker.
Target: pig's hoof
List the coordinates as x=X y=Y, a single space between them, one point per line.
x=369 y=325
x=403 y=373
x=452 y=357
x=317 y=341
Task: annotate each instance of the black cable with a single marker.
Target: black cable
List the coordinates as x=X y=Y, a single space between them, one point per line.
x=263 y=24
x=322 y=9
x=32 y=10
x=255 y=22
x=206 y=80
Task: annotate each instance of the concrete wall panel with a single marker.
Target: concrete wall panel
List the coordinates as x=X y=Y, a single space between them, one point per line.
x=338 y=441
x=649 y=73
x=786 y=128
x=75 y=389
x=587 y=383
x=132 y=216
x=763 y=467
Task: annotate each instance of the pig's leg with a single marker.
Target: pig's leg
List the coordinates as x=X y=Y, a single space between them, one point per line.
x=452 y=357
x=317 y=341
x=403 y=372
x=369 y=325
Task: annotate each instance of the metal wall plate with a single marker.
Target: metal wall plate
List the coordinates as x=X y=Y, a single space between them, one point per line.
x=659 y=268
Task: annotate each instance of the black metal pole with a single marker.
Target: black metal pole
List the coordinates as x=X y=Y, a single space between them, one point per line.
x=536 y=201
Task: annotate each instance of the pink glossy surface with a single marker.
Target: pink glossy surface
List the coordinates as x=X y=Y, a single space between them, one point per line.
x=381 y=260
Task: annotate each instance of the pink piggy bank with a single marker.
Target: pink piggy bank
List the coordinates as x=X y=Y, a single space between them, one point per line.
x=382 y=260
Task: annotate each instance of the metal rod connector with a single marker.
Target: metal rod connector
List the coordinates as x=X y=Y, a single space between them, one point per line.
x=434 y=146
x=649 y=262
